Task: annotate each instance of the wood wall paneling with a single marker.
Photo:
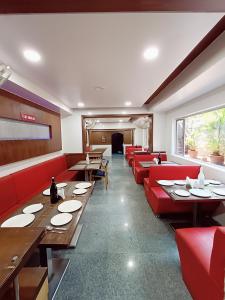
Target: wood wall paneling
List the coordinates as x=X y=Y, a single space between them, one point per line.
x=104 y=137
x=69 y=6
x=11 y=107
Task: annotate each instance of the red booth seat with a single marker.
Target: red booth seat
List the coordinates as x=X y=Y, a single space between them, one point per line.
x=202 y=257
x=130 y=149
x=139 y=172
x=19 y=187
x=160 y=201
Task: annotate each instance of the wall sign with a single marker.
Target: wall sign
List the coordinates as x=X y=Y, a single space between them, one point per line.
x=26 y=117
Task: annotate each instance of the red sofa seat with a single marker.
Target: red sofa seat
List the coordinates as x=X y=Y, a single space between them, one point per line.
x=202 y=257
x=139 y=172
x=129 y=149
x=19 y=187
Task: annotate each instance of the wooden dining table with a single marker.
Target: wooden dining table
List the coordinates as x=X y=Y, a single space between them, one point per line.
x=148 y=164
x=196 y=201
x=55 y=240
x=17 y=246
x=88 y=168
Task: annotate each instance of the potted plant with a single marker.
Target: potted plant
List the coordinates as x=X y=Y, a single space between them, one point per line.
x=216 y=136
x=192 y=146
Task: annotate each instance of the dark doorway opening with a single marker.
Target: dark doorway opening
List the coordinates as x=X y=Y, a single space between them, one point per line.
x=117 y=143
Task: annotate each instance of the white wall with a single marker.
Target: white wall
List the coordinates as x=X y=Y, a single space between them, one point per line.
x=72 y=129
x=17 y=166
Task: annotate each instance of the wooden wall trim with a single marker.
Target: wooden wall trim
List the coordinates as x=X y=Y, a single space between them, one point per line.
x=218 y=29
x=69 y=6
x=11 y=151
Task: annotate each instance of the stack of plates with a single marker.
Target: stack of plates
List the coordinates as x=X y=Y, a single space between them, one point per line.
x=180 y=182
x=166 y=182
x=69 y=206
x=21 y=220
x=61 y=185
x=46 y=192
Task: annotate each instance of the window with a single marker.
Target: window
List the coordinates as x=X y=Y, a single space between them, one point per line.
x=19 y=130
x=202 y=136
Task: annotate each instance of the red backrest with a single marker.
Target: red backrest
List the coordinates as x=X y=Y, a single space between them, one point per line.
x=8 y=196
x=171 y=173
x=55 y=166
x=30 y=181
x=217 y=264
x=147 y=157
x=133 y=148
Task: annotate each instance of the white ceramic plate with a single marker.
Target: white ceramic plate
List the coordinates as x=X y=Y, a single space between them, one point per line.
x=214 y=182
x=79 y=191
x=200 y=193
x=61 y=219
x=69 y=206
x=33 y=208
x=165 y=182
x=220 y=192
x=83 y=185
x=180 y=182
x=61 y=184
x=46 y=192
x=21 y=220
x=182 y=193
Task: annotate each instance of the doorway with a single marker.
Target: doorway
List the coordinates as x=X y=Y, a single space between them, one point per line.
x=117 y=143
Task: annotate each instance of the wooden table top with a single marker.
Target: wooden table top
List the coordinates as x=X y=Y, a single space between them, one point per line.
x=170 y=191
x=148 y=164
x=43 y=217
x=84 y=166
x=19 y=242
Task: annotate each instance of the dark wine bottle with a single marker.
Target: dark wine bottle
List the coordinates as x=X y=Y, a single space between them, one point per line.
x=159 y=159
x=53 y=192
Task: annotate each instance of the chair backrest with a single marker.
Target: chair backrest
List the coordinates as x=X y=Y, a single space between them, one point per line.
x=171 y=173
x=217 y=263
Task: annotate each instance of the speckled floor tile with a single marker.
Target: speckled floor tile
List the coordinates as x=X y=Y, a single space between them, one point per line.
x=124 y=252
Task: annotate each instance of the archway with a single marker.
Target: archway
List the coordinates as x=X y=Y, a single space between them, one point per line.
x=117 y=143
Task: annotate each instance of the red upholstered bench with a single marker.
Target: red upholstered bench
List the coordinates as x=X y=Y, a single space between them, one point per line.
x=19 y=187
x=160 y=202
x=202 y=257
x=139 y=172
x=129 y=149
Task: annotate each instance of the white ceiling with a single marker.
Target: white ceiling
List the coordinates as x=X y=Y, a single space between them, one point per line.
x=82 y=51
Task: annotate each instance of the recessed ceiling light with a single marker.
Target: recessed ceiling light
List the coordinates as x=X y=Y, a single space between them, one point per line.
x=99 y=88
x=32 y=55
x=97 y=121
x=128 y=103
x=80 y=104
x=120 y=120
x=151 y=53
x=89 y=113
x=123 y=112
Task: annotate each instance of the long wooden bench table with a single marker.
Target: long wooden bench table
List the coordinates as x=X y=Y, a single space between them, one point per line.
x=52 y=240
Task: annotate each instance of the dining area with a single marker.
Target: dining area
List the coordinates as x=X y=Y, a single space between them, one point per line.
x=43 y=226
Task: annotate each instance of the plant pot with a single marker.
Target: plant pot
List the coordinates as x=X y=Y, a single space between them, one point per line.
x=193 y=153
x=216 y=159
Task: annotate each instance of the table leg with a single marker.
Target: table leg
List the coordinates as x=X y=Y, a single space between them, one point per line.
x=195 y=214
x=16 y=288
x=86 y=174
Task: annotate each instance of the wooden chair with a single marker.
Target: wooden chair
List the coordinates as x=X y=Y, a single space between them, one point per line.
x=102 y=173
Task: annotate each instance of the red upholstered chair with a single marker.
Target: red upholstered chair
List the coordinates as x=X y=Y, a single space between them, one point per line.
x=130 y=154
x=202 y=257
x=139 y=172
x=129 y=149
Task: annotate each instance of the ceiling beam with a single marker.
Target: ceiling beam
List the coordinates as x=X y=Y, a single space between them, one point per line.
x=82 y=6
x=210 y=37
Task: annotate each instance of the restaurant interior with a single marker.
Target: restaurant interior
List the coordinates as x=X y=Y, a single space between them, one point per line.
x=112 y=150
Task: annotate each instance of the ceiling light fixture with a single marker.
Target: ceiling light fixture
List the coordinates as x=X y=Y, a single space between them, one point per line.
x=128 y=103
x=80 y=104
x=151 y=53
x=89 y=113
x=32 y=55
x=97 y=121
x=120 y=120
